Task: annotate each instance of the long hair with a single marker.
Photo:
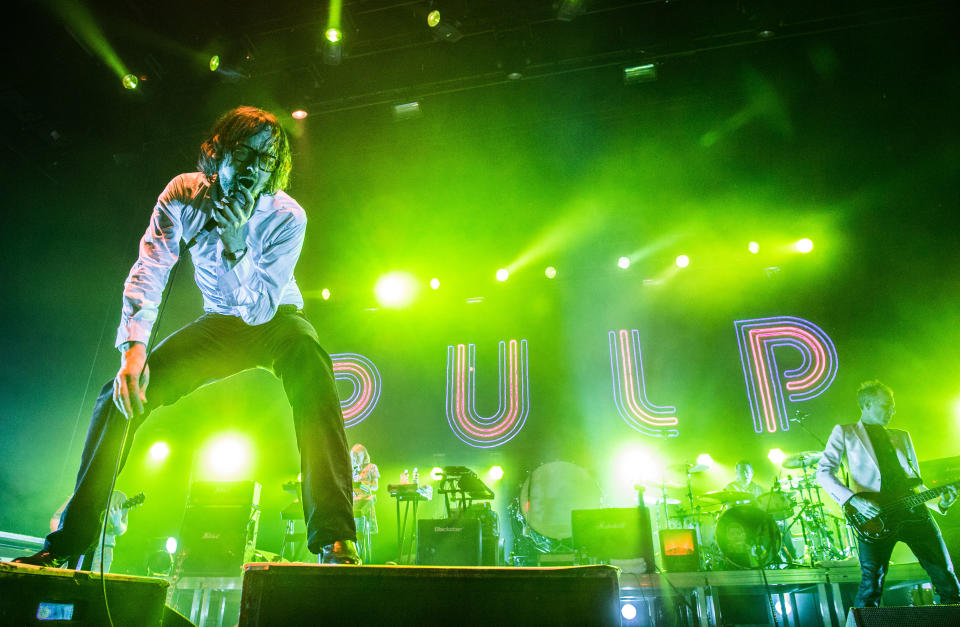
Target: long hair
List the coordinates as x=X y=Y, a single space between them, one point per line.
x=233 y=127
x=361 y=450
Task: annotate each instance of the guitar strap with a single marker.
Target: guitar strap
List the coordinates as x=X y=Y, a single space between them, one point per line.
x=893 y=479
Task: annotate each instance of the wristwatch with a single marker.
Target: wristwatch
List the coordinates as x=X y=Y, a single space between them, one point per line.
x=234 y=256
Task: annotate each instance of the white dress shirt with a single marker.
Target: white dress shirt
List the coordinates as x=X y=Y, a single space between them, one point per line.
x=853 y=442
x=252 y=289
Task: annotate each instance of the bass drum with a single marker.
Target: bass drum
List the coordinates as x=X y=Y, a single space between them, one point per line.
x=551 y=492
x=748 y=537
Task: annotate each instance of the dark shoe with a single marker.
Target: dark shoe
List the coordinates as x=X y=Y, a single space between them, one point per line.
x=42 y=558
x=340 y=552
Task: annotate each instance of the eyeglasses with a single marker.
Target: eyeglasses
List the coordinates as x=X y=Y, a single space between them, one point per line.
x=263 y=160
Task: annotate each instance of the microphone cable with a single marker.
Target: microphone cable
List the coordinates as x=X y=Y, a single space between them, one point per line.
x=151 y=343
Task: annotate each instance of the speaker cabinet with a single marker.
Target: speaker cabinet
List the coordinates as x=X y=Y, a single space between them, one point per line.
x=621 y=533
x=449 y=542
x=317 y=595
x=904 y=616
x=219 y=530
x=30 y=595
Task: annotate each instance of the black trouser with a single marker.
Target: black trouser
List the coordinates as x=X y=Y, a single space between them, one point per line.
x=209 y=349
x=924 y=539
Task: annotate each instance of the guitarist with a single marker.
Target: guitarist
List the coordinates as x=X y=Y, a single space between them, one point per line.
x=116 y=521
x=883 y=460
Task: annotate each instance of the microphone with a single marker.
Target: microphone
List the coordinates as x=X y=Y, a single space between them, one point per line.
x=211 y=224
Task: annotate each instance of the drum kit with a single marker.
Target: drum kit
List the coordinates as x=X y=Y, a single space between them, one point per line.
x=785 y=526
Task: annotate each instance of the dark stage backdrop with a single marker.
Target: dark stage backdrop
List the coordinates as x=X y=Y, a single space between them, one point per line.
x=840 y=139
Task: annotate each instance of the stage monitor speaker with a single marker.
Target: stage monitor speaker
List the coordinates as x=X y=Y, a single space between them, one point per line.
x=449 y=542
x=30 y=595
x=679 y=550
x=621 y=533
x=219 y=530
x=315 y=595
x=904 y=616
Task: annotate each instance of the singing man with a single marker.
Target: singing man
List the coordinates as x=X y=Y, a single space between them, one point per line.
x=244 y=235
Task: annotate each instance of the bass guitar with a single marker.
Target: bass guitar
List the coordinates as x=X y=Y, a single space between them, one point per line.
x=895 y=510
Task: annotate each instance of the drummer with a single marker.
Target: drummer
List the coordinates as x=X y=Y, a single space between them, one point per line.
x=744 y=481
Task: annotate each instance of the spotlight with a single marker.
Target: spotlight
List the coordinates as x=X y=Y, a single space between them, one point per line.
x=628 y=611
x=640 y=74
x=753 y=247
x=443 y=26
x=332 y=53
x=495 y=473
x=434 y=284
x=299 y=114
x=159 y=451
x=503 y=274
x=171 y=545
x=704 y=459
x=395 y=290
x=683 y=261
x=407 y=111
x=551 y=272
x=130 y=81
x=624 y=262
x=228 y=457
x=436 y=473
x=804 y=245
x=325 y=294
x=214 y=63
x=333 y=35
x=776 y=456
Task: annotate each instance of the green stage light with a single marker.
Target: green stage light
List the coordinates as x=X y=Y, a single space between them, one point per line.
x=624 y=262
x=396 y=289
x=495 y=473
x=682 y=261
x=436 y=473
x=503 y=274
x=130 y=81
x=433 y=18
x=551 y=272
x=171 y=545
x=299 y=114
x=228 y=457
x=214 y=63
x=776 y=456
x=804 y=245
x=333 y=35
x=704 y=459
x=434 y=284
x=325 y=294
x=159 y=451
x=753 y=247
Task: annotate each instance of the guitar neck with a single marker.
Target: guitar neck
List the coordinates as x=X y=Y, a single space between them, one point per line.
x=921 y=497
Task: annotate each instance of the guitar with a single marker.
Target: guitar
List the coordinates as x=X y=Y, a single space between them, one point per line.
x=133 y=501
x=894 y=511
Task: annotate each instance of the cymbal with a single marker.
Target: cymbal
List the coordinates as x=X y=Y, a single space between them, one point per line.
x=727 y=496
x=688 y=467
x=801 y=460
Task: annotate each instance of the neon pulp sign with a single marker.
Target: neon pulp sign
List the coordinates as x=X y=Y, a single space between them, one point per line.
x=630 y=392
x=768 y=388
x=513 y=391
x=364 y=377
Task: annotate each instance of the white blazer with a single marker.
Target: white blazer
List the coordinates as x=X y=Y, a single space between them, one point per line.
x=853 y=442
